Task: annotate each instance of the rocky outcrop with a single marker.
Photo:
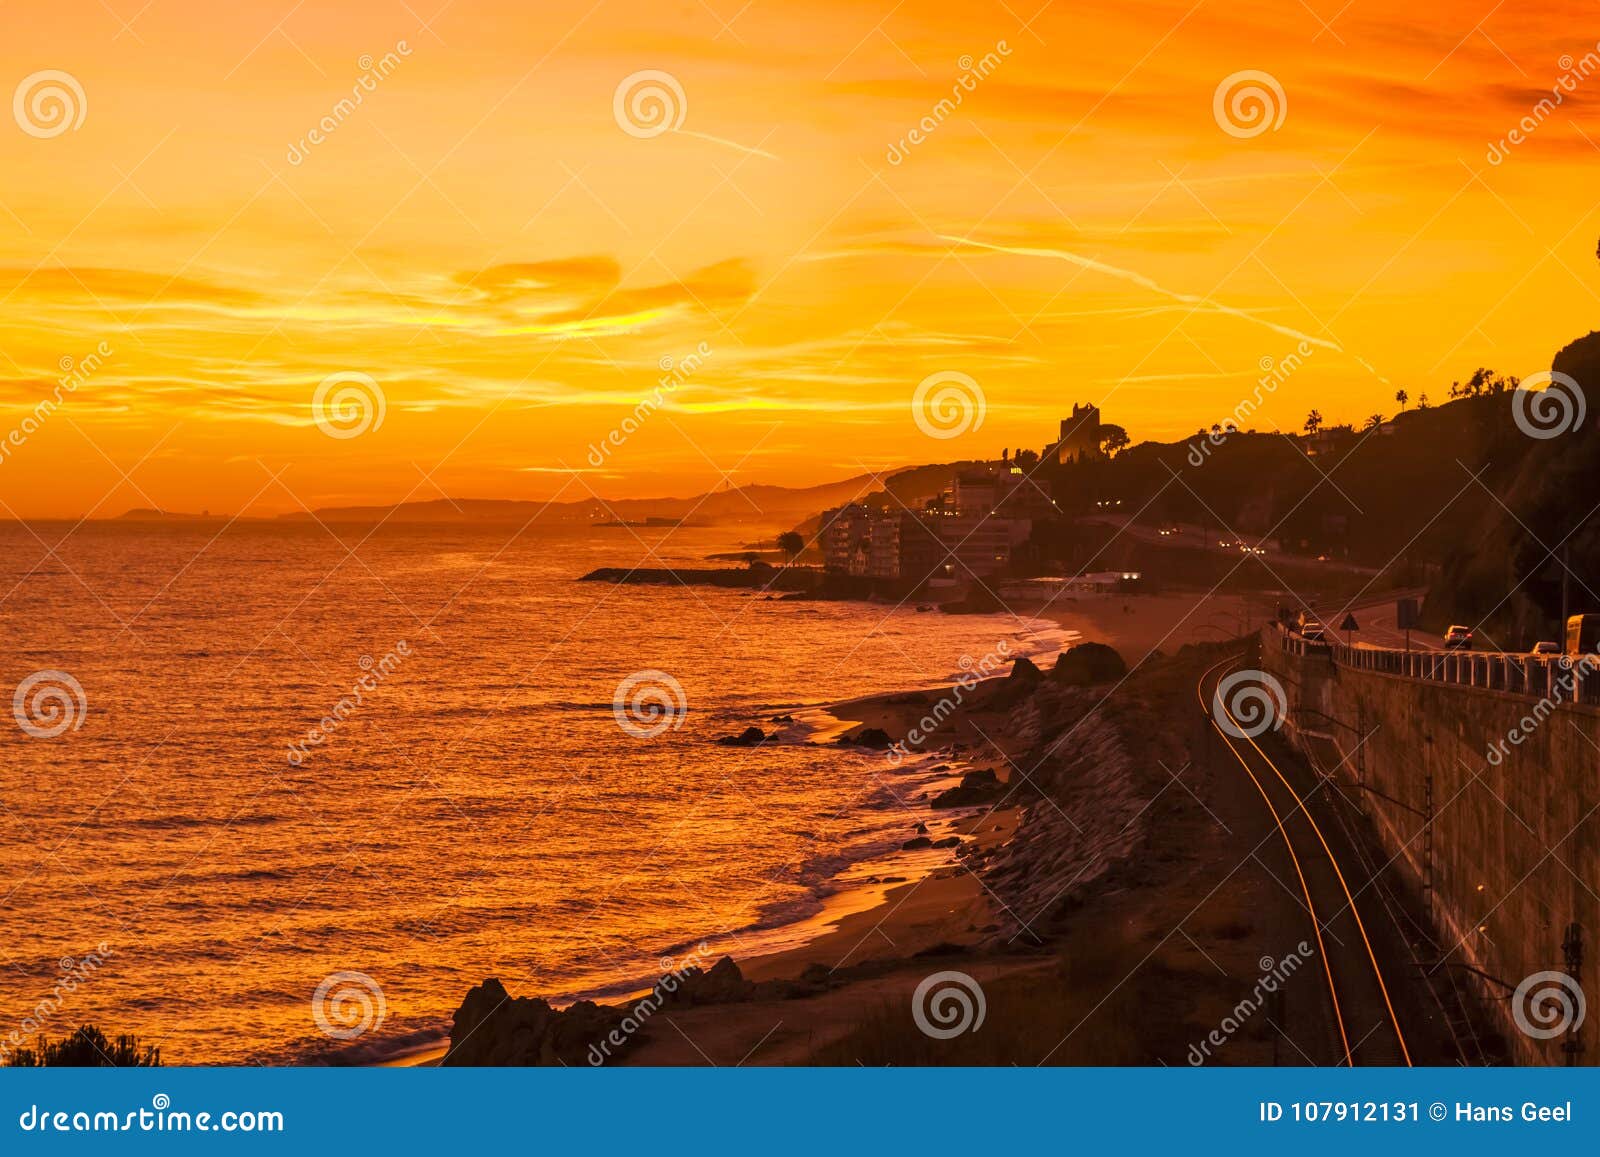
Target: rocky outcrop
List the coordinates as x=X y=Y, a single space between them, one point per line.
x=1088 y=663
x=722 y=983
x=976 y=789
x=1090 y=821
x=1024 y=670
x=874 y=737
x=749 y=737
x=493 y=1028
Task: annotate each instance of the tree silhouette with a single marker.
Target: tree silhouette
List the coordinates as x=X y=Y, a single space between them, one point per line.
x=1373 y=422
x=1313 y=421
x=1112 y=439
x=1483 y=381
x=1422 y=402
x=87 y=1048
x=791 y=543
x=1402 y=397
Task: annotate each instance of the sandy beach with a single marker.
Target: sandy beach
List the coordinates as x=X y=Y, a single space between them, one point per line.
x=1051 y=905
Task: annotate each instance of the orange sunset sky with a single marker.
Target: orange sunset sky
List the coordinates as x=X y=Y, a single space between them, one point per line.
x=483 y=239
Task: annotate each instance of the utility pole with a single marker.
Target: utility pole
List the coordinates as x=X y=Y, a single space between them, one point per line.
x=1566 y=575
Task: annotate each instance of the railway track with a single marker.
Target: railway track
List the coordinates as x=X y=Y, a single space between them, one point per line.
x=1366 y=1026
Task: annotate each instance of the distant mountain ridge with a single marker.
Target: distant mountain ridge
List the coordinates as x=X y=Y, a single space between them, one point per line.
x=759 y=503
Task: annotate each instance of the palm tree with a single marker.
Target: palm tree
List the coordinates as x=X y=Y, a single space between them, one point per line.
x=1313 y=421
x=1373 y=422
x=1402 y=397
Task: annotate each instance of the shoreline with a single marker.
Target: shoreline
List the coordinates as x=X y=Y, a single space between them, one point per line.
x=1077 y=861
x=890 y=907
x=901 y=897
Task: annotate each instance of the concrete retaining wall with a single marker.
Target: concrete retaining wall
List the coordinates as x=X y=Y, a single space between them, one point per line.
x=1515 y=806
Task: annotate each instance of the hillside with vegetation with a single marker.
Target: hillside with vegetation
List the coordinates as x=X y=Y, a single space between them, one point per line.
x=1460 y=497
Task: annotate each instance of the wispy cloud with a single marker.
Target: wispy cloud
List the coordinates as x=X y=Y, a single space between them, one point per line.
x=1205 y=304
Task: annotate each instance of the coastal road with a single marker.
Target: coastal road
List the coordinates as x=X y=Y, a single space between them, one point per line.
x=1356 y=960
x=1376 y=619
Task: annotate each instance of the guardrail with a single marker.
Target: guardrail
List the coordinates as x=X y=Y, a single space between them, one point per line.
x=1558 y=678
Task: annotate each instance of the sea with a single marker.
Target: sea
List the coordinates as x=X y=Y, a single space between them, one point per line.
x=282 y=792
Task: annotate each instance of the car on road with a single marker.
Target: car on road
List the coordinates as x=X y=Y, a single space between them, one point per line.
x=1458 y=639
x=1546 y=649
x=1310 y=628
